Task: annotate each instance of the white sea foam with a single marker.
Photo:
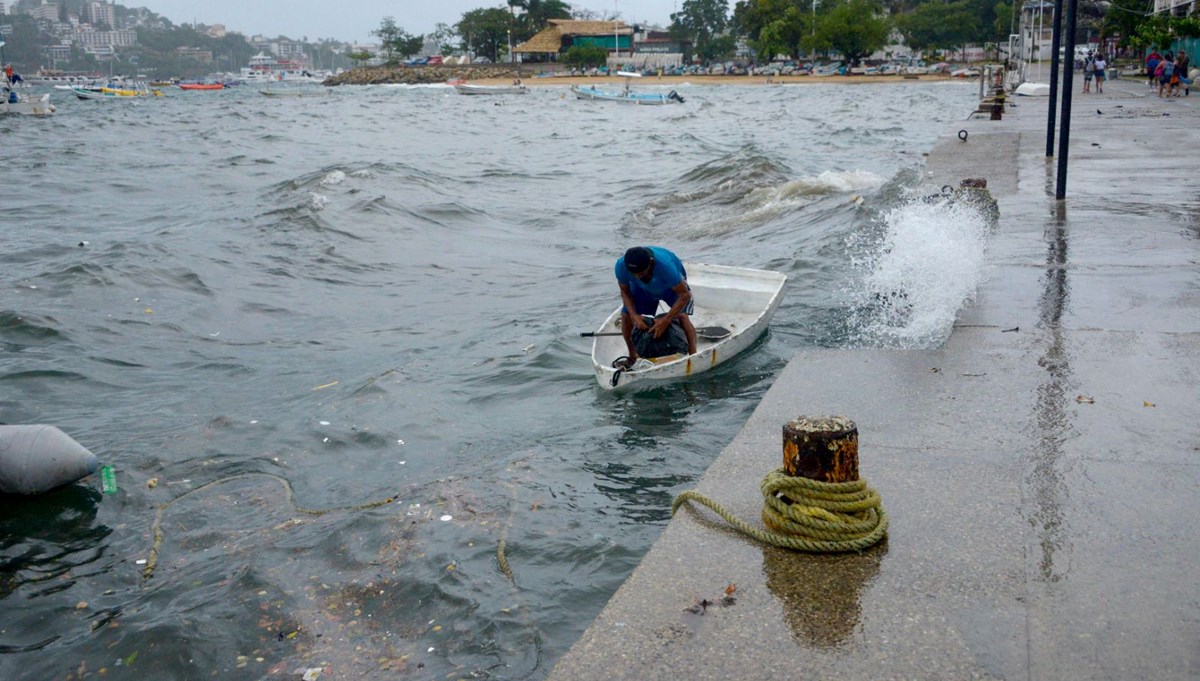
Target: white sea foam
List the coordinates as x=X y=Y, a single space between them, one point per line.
x=332 y=178
x=317 y=201
x=801 y=190
x=763 y=204
x=926 y=264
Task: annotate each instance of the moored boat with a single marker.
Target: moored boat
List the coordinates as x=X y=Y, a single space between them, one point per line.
x=296 y=92
x=470 y=89
x=201 y=86
x=26 y=105
x=626 y=96
x=737 y=303
x=106 y=93
x=1033 y=90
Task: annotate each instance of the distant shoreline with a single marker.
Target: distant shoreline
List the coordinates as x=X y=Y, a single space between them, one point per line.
x=697 y=79
x=503 y=75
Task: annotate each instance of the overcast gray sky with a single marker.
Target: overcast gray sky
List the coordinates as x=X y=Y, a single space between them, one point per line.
x=355 y=19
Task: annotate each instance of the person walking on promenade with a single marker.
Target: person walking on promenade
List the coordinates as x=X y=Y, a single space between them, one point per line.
x=1101 y=65
x=1166 y=68
x=1152 y=61
x=1089 y=70
x=646 y=275
x=1181 y=71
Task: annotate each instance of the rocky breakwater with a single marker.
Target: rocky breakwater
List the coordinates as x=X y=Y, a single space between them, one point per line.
x=417 y=75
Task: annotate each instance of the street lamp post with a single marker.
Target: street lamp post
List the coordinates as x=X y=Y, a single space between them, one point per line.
x=616 y=39
x=510 y=54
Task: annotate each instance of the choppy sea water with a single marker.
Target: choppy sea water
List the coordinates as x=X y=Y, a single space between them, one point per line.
x=271 y=314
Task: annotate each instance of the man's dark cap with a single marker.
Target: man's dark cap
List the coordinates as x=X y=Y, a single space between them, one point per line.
x=638 y=258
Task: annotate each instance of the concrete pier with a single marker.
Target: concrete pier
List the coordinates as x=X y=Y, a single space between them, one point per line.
x=1041 y=471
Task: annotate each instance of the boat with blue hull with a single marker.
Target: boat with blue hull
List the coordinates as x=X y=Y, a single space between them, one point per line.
x=627 y=95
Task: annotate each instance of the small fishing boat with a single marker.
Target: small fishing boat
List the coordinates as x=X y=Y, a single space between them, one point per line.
x=295 y=92
x=99 y=93
x=733 y=306
x=27 y=105
x=469 y=89
x=626 y=96
x=108 y=92
x=1033 y=90
x=201 y=86
x=835 y=69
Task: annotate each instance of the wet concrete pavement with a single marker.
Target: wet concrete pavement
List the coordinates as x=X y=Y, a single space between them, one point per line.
x=1041 y=470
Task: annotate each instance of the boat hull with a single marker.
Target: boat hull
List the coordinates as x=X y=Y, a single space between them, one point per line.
x=465 y=89
x=740 y=299
x=28 y=106
x=640 y=98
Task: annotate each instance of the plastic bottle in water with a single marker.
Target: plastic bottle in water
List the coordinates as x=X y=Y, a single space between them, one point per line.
x=108 y=480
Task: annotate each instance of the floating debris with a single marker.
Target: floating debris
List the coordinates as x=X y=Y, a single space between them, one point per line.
x=108 y=480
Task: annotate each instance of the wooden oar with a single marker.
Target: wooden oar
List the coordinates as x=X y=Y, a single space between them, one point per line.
x=705 y=332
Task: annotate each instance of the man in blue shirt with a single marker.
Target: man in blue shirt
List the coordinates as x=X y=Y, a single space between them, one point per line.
x=646 y=275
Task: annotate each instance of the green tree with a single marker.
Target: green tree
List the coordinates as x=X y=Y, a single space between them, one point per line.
x=1002 y=25
x=485 y=31
x=23 y=48
x=446 y=38
x=537 y=16
x=359 y=57
x=701 y=21
x=855 y=28
x=394 y=40
x=783 y=35
x=936 y=25
x=584 y=56
x=1123 y=18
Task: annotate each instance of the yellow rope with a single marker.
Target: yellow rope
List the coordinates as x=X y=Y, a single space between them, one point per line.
x=156 y=530
x=809 y=515
x=502 y=545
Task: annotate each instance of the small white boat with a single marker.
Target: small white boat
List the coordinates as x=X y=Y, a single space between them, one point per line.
x=1033 y=90
x=27 y=105
x=469 y=89
x=295 y=92
x=733 y=306
x=835 y=69
x=626 y=96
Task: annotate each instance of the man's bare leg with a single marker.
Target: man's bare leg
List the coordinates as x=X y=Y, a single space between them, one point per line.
x=686 y=321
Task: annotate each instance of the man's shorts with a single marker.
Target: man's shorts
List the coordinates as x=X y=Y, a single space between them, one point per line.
x=647 y=304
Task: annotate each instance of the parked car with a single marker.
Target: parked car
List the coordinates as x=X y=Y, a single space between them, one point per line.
x=435 y=60
x=482 y=60
x=417 y=61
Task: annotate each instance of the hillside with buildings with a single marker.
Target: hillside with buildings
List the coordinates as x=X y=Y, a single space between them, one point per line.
x=106 y=37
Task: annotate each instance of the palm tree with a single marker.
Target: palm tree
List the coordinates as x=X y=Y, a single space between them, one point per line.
x=538 y=13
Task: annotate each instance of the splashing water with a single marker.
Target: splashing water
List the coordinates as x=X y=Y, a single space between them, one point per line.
x=925 y=263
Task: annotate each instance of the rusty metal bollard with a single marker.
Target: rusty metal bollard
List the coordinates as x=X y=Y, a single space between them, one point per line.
x=823 y=448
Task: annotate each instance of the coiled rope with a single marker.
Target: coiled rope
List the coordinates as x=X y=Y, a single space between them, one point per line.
x=809 y=515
